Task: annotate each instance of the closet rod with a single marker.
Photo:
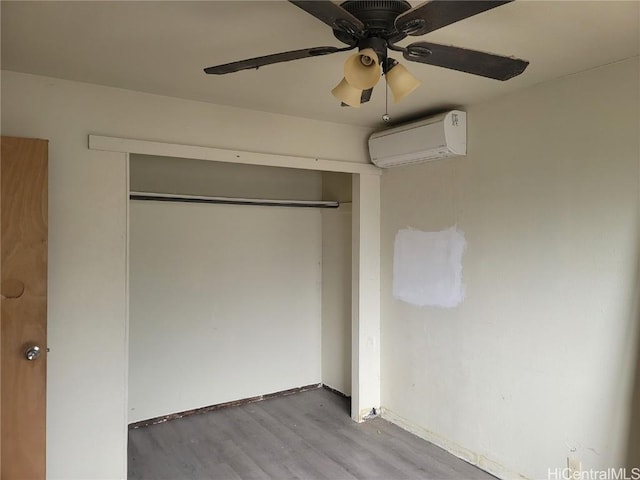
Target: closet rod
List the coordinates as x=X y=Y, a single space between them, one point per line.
x=166 y=197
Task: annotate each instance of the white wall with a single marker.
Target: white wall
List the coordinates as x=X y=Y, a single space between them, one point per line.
x=365 y=292
x=336 y=282
x=535 y=365
x=336 y=298
x=225 y=304
x=86 y=403
x=337 y=186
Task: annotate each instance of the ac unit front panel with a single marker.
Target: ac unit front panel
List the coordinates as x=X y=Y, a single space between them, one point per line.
x=439 y=137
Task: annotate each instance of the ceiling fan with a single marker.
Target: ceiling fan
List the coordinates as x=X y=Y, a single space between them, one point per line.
x=374 y=27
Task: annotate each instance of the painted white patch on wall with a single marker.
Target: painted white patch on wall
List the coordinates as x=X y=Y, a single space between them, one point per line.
x=427 y=267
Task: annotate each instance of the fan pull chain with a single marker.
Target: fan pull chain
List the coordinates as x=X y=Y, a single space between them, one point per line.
x=386 y=117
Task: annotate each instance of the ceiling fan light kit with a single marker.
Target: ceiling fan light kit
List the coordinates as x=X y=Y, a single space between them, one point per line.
x=374 y=27
x=362 y=70
x=400 y=80
x=347 y=94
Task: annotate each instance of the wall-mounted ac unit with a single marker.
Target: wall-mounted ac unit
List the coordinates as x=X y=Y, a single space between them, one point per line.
x=440 y=136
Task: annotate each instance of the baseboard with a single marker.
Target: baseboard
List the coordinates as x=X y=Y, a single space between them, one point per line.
x=333 y=390
x=488 y=465
x=218 y=406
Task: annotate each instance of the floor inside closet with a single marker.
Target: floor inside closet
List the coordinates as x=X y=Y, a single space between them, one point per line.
x=306 y=435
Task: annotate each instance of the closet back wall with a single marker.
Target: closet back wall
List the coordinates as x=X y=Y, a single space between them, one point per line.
x=202 y=177
x=225 y=300
x=225 y=304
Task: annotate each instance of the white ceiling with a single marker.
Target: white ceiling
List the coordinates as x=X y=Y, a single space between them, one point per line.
x=161 y=47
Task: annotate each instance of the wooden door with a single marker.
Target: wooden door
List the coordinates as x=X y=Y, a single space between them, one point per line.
x=23 y=263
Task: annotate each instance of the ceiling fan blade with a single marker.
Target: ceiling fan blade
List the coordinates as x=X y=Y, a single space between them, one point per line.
x=271 y=59
x=332 y=14
x=436 y=14
x=484 y=64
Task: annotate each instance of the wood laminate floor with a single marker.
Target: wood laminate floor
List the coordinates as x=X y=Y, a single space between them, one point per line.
x=303 y=436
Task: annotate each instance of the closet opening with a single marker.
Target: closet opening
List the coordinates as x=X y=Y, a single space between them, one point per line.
x=239 y=283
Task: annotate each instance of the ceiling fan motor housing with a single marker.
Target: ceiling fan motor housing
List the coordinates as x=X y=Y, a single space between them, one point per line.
x=378 y=17
x=378 y=45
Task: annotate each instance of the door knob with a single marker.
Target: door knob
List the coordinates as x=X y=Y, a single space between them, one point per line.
x=32 y=352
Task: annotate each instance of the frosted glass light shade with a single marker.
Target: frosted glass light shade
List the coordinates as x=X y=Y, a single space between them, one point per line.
x=359 y=75
x=401 y=82
x=347 y=94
